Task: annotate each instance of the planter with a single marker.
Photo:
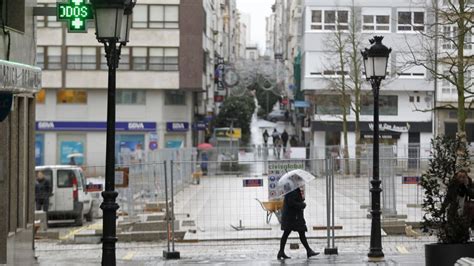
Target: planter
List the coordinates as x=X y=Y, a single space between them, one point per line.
x=447 y=254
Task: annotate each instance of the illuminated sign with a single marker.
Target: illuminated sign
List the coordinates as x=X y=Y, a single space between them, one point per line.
x=75 y=13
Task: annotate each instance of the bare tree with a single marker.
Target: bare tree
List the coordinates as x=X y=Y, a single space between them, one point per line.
x=444 y=45
x=346 y=79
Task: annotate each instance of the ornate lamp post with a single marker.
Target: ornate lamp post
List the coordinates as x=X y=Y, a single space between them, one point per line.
x=112 y=21
x=375 y=65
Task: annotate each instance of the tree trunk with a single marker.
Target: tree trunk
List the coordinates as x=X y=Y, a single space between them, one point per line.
x=461 y=130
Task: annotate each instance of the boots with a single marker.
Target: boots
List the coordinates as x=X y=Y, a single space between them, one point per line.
x=311 y=253
x=282 y=255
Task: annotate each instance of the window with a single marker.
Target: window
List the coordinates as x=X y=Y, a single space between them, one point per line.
x=40 y=53
x=450 y=40
x=412 y=99
x=376 y=22
x=163 y=59
x=48 y=57
x=331 y=105
x=139 y=61
x=124 y=63
x=81 y=58
x=13 y=14
x=175 y=98
x=41 y=96
x=329 y=19
x=411 y=21
x=47 y=21
x=65 y=178
x=131 y=97
x=156 y=16
x=410 y=68
x=388 y=105
x=71 y=96
x=449 y=89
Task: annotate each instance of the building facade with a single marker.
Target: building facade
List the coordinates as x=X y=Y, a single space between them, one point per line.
x=407 y=90
x=165 y=82
x=19 y=82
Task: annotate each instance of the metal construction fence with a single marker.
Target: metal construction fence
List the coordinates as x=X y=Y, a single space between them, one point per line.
x=213 y=202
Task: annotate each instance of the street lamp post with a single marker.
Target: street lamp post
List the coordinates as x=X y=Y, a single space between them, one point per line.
x=375 y=65
x=113 y=21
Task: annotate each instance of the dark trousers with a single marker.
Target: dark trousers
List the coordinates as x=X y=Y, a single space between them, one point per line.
x=42 y=204
x=284 y=238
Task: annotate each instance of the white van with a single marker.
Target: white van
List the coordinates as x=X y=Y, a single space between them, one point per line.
x=69 y=198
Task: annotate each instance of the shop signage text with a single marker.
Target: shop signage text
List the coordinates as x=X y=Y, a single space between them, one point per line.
x=94 y=126
x=253 y=182
x=177 y=126
x=18 y=78
x=76 y=13
x=389 y=127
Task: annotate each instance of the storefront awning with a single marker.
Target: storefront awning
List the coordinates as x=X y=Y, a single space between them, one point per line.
x=19 y=78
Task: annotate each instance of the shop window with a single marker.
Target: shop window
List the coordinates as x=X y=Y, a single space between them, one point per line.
x=131 y=97
x=41 y=96
x=331 y=105
x=129 y=148
x=388 y=105
x=71 y=97
x=175 y=98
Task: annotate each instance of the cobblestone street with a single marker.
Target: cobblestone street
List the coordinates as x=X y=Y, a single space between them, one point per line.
x=351 y=252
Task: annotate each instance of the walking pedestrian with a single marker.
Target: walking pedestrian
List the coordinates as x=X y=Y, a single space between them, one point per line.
x=284 y=138
x=42 y=192
x=278 y=145
x=287 y=116
x=293 y=220
x=265 y=137
x=275 y=138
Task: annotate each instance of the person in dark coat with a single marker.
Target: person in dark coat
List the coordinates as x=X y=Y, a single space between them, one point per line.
x=265 y=137
x=284 y=138
x=293 y=220
x=42 y=192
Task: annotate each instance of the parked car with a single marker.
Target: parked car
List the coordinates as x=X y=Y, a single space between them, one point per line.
x=276 y=115
x=69 y=198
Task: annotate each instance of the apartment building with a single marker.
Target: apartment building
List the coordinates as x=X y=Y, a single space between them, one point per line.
x=407 y=89
x=19 y=82
x=165 y=82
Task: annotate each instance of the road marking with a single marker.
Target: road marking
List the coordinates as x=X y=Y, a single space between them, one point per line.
x=402 y=249
x=70 y=234
x=129 y=255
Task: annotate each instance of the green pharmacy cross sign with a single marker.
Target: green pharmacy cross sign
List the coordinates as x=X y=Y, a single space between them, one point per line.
x=75 y=13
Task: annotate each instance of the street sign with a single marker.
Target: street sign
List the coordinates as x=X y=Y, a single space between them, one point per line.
x=253 y=182
x=276 y=169
x=76 y=13
x=121 y=177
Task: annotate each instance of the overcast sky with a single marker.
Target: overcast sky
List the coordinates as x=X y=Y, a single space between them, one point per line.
x=258 y=10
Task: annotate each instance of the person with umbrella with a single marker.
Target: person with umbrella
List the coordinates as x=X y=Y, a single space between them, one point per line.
x=293 y=210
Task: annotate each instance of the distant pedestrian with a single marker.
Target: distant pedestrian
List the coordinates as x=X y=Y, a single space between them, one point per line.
x=275 y=138
x=287 y=116
x=293 y=141
x=284 y=138
x=278 y=145
x=43 y=191
x=293 y=220
x=265 y=137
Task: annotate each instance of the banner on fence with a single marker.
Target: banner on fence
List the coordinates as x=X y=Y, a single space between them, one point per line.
x=275 y=170
x=414 y=180
x=253 y=182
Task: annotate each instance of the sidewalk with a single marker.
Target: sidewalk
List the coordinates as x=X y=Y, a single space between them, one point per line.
x=230 y=253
